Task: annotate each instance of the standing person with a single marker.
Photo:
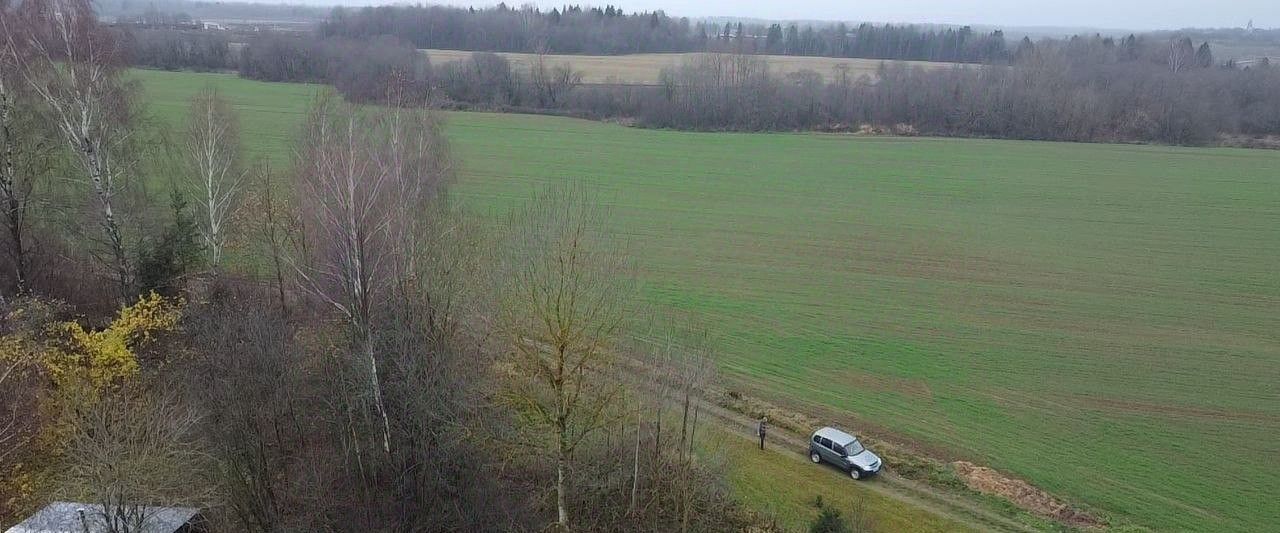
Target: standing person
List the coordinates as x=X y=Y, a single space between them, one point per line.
x=762 y=429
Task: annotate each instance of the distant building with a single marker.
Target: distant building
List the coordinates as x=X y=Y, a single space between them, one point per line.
x=1251 y=62
x=71 y=517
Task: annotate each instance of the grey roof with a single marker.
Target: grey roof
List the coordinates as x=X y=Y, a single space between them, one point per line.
x=64 y=517
x=836 y=436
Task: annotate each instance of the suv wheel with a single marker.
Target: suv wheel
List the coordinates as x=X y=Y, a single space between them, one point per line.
x=813 y=456
x=855 y=473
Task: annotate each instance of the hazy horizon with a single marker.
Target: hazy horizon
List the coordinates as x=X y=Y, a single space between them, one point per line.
x=1100 y=14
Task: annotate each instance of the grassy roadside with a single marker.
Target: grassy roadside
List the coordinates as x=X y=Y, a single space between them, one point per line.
x=913 y=471
x=781 y=486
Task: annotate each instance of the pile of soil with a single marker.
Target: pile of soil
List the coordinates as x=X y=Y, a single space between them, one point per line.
x=1023 y=494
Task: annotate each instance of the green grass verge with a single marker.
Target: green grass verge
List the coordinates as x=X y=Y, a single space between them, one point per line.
x=1102 y=320
x=782 y=488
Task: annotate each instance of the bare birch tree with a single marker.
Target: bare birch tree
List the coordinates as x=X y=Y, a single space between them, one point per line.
x=25 y=153
x=72 y=65
x=410 y=150
x=216 y=173
x=564 y=310
x=359 y=175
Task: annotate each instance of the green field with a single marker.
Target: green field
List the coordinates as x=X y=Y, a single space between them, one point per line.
x=1103 y=320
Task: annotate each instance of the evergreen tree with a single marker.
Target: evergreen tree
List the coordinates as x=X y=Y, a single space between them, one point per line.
x=829 y=521
x=164 y=262
x=773 y=40
x=1204 y=56
x=792 y=41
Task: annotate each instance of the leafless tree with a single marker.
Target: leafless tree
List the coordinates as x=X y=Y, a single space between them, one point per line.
x=552 y=83
x=438 y=387
x=410 y=151
x=25 y=152
x=216 y=176
x=564 y=309
x=25 y=163
x=274 y=224
x=653 y=387
x=14 y=212
x=72 y=66
x=694 y=372
x=484 y=77
x=360 y=177
x=246 y=375
x=1182 y=54
x=676 y=364
x=129 y=456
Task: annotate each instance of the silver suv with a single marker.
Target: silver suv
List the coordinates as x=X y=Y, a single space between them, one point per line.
x=843 y=450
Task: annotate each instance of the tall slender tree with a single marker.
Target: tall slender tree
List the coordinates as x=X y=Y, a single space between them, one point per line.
x=359 y=177
x=215 y=173
x=564 y=309
x=1204 y=55
x=25 y=152
x=73 y=66
x=1181 y=54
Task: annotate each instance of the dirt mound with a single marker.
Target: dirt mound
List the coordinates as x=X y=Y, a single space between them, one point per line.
x=1023 y=494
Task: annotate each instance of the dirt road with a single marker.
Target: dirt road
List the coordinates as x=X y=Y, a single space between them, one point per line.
x=973 y=514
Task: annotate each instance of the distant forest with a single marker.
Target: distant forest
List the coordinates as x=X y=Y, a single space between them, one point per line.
x=1160 y=87
x=609 y=31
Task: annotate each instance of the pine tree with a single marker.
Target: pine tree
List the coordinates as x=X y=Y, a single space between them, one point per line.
x=1204 y=56
x=774 y=38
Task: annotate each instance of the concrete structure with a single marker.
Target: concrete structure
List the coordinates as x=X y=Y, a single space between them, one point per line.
x=71 y=517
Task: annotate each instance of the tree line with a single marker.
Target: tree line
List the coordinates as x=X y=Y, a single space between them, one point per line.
x=1139 y=88
x=609 y=31
x=1092 y=88
x=330 y=346
x=1081 y=89
x=170 y=48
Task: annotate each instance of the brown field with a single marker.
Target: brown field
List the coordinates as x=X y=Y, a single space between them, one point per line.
x=643 y=69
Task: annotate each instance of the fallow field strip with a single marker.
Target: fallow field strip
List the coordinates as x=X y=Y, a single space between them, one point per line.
x=1100 y=320
x=644 y=69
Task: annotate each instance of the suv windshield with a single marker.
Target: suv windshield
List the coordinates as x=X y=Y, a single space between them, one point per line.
x=853 y=448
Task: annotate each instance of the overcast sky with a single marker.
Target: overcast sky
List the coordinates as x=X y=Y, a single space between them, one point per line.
x=1119 y=14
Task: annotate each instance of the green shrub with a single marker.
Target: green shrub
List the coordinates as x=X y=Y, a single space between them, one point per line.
x=829 y=521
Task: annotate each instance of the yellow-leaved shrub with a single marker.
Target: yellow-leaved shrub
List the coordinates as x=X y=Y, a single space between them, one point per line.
x=104 y=358
x=82 y=365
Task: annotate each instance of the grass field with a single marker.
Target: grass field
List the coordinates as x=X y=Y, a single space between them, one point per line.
x=643 y=69
x=1103 y=320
